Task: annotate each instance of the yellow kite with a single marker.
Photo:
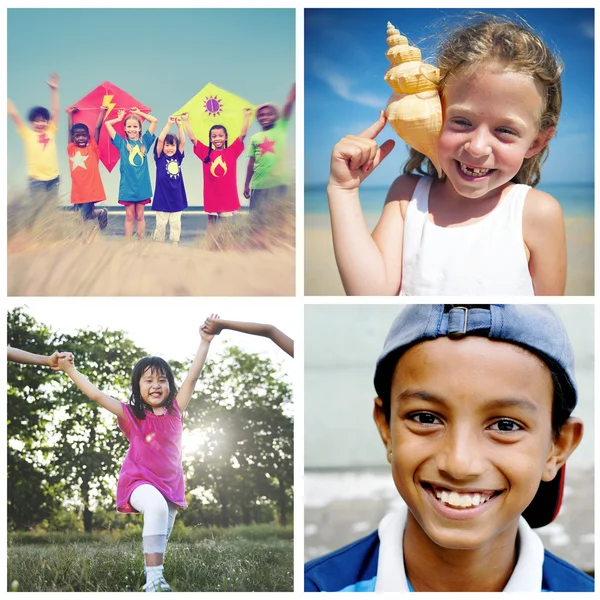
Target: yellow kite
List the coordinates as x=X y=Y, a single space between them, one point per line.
x=215 y=106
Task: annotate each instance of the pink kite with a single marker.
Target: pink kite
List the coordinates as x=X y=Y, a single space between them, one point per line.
x=106 y=94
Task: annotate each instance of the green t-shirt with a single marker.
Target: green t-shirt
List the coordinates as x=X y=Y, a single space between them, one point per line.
x=268 y=150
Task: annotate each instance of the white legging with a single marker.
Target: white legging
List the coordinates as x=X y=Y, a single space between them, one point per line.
x=162 y=218
x=159 y=516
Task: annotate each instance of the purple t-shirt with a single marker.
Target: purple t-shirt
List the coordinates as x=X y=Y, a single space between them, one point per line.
x=154 y=456
x=169 y=193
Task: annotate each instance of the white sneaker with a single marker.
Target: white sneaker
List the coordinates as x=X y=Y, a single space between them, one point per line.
x=158 y=585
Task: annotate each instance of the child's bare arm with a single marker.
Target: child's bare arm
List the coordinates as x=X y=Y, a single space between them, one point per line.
x=99 y=122
x=181 y=133
x=13 y=113
x=247 y=113
x=89 y=389
x=152 y=120
x=215 y=326
x=368 y=264
x=190 y=133
x=544 y=237
x=111 y=122
x=55 y=107
x=184 y=395
x=249 y=173
x=29 y=358
x=160 y=141
x=289 y=102
x=70 y=111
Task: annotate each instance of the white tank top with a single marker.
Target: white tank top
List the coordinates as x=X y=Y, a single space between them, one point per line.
x=485 y=258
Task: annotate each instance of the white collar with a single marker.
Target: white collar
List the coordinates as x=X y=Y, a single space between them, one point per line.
x=391 y=577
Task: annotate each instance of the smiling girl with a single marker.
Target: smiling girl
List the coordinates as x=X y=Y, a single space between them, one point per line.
x=135 y=189
x=151 y=479
x=481 y=228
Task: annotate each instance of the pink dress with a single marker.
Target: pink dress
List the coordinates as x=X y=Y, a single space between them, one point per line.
x=154 y=456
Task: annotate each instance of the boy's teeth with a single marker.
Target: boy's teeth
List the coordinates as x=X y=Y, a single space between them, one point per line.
x=460 y=500
x=468 y=171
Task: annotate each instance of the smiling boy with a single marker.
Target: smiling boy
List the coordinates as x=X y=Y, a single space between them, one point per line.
x=474 y=409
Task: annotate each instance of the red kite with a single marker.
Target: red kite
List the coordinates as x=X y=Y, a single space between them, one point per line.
x=106 y=94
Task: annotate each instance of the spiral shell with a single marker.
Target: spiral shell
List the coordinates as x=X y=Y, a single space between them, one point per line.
x=414 y=110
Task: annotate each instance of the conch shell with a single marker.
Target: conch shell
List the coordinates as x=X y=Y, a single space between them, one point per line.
x=414 y=110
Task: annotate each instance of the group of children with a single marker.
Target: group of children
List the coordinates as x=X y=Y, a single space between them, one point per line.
x=266 y=180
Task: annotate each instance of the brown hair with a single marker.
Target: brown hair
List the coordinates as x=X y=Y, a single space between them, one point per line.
x=517 y=46
x=129 y=117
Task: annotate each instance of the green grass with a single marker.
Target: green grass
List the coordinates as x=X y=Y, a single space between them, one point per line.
x=193 y=563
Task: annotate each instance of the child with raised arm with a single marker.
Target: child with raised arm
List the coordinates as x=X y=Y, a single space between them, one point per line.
x=135 y=188
x=84 y=166
x=267 y=178
x=29 y=358
x=151 y=479
x=39 y=140
x=169 y=193
x=215 y=326
x=481 y=228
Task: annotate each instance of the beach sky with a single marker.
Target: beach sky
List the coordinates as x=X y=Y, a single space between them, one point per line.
x=162 y=57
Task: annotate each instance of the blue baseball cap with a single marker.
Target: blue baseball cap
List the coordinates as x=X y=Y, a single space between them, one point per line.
x=532 y=326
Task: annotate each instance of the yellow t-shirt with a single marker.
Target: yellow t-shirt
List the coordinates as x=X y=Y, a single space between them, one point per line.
x=40 y=151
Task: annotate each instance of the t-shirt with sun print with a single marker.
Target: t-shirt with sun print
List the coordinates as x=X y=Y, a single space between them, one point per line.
x=169 y=192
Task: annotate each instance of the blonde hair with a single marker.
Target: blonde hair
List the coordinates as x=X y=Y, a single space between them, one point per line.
x=521 y=50
x=129 y=117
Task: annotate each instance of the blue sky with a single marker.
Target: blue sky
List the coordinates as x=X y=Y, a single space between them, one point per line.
x=344 y=87
x=162 y=57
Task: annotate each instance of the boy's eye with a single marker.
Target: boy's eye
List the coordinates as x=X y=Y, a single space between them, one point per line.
x=424 y=418
x=506 y=131
x=506 y=425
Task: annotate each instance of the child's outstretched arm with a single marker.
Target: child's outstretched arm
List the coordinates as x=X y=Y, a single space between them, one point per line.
x=160 y=141
x=249 y=173
x=187 y=387
x=99 y=122
x=70 y=111
x=181 y=133
x=55 y=107
x=111 y=122
x=190 y=133
x=368 y=264
x=152 y=120
x=28 y=358
x=289 y=102
x=89 y=389
x=215 y=326
x=247 y=113
x=545 y=238
x=13 y=113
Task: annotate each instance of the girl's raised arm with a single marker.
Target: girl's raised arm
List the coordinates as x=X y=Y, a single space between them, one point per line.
x=187 y=387
x=160 y=141
x=109 y=124
x=179 y=122
x=190 y=133
x=13 y=113
x=89 y=389
x=247 y=113
x=152 y=120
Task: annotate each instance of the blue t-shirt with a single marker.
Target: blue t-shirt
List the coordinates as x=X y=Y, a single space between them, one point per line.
x=169 y=193
x=135 y=176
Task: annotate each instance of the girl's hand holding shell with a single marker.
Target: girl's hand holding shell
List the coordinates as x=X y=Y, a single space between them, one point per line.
x=355 y=156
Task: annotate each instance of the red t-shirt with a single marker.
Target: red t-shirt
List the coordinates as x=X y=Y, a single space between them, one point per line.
x=220 y=181
x=86 y=184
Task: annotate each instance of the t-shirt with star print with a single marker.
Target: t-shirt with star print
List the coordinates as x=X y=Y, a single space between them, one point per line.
x=134 y=185
x=84 y=166
x=169 y=191
x=268 y=150
x=40 y=152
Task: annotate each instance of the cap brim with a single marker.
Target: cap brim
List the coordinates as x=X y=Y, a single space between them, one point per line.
x=546 y=502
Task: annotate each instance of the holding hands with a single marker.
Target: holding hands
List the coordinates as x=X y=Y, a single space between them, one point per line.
x=63 y=361
x=207 y=332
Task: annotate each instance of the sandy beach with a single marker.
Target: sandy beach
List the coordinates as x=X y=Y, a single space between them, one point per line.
x=321 y=277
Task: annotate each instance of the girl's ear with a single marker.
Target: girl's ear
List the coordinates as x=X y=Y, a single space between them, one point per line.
x=540 y=141
x=562 y=447
x=383 y=426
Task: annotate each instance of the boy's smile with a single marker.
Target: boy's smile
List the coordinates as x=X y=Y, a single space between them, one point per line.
x=471 y=438
x=491 y=124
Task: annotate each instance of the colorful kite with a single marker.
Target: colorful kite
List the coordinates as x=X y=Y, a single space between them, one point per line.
x=214 y=106
x=106 y=94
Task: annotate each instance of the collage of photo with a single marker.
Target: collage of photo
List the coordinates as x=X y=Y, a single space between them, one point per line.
x=347 y=345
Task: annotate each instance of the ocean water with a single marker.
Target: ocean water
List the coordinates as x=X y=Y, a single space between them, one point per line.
x=576 y=200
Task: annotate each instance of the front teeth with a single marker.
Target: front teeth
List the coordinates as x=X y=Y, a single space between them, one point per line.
x=473 y=172
x=461 y=500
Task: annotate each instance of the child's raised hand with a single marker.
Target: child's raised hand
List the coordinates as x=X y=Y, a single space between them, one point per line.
x=53 y=81
x=178 y=120
x=247 y=111
x=121 y=114
x=205 y=334
x=171 y=119
x=212 y=326
x=63 y=361
x=104 y=108
x=355 y=156
x=72 y=109
x=185 y=116
x=135 y=110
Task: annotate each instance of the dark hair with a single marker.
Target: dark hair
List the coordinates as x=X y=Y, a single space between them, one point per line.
x=155 y=364
x=171 y=138
x=207 y=159
x=81 y=126
x=561 y=404
x=38 y=111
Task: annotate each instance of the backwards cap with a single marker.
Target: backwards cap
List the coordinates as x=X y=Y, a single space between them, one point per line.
x=533 y=327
